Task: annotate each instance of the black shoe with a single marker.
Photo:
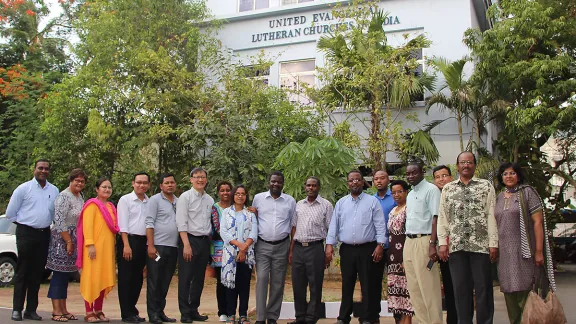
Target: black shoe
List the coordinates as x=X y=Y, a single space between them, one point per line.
x=186 y=319
x=141 y=319
x=32 y=316
x=296 y=322
x=271 y=321
x=154 y=320
x=167 y=319
x=131 y=319
x=260 y=322
x=16 y=316
x=199 y=318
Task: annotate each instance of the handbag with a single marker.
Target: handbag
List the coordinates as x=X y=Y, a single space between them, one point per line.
x=538 y=310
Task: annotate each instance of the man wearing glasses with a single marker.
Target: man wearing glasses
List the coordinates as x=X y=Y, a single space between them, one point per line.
x=193 y=215
x=358 y=223
x=422 y=275
x=467 y=217
x=131 y=248
x=162 y=237
x=31 y=208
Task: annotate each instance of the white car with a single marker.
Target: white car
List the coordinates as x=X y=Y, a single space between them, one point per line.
x=8 y=251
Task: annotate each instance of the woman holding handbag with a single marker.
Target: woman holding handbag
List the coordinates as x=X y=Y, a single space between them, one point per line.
x=239 y=231
x=523 y=241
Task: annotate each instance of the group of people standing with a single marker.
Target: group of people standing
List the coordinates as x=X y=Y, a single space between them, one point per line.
x=397 y=231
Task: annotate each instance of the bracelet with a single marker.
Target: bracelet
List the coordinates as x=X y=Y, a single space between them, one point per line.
x=67 y=242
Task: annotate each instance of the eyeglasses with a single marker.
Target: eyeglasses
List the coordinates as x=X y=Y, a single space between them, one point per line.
x=354 y=180
x=79 y=181
x=466 y=162
x=105 y=187
x=239 y=194
x=199 y=177
x=442 y=176
x=511 y=173
x=395 y=193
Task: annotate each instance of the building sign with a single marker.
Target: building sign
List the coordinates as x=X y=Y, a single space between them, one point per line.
x=313 y=24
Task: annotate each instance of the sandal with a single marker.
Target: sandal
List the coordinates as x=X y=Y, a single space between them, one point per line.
x=243 y=320
x=231 y=320
x=102 y=317
x=59 y=318
x=91 y=318
x=70 y=317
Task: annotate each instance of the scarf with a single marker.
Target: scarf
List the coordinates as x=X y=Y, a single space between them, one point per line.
x=240 y=229
x=112 y=224
x=525 y=217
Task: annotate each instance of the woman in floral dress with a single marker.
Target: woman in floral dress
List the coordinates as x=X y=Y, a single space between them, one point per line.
x=398 y=298
x=62 y=249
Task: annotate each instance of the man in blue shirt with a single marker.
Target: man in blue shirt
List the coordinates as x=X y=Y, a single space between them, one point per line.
x=357 y=222
x=31 y=208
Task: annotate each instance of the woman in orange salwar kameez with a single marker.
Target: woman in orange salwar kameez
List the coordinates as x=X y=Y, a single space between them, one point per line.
x=97 y=228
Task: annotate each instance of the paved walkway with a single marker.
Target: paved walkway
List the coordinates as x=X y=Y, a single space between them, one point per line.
x=566 y=282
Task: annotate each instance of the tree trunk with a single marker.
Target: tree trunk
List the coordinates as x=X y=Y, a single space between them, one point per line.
x=478 y=135
x=374 y=140
x=459 y=119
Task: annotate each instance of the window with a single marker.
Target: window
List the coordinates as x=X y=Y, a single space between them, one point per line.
x=418 y=71
x=295 y=76
x=261 y=74
x=289 y=2
x=248 y=5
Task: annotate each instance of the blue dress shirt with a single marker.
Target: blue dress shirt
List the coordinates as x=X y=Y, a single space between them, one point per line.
x=357 y=221
x=32 y=205
x=387 y=204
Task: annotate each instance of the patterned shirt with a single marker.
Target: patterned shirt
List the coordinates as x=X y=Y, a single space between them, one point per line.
x=312 y=219
x=467 y=216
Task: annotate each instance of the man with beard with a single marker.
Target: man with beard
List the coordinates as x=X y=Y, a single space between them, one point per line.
x=162 y=236
x=275 y=210
x=357 y=222
x=31 y=208
x=467 y=217
x=420 y=246
x=309 y=229
x=132 y=247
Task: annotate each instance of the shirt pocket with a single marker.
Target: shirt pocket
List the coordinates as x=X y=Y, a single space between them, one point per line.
x=366 y=214
x=418 y=209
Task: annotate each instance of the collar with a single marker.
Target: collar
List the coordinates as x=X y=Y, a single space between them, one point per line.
x=420 y=185
x=359 y=196
x=282 y=195
x=196 y=192
x=38 y=184
x=388 y=193
x=317 y=200
x=164 y=197
x=133 y=197
x=459 y=181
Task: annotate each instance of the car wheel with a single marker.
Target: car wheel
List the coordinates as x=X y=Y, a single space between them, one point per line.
x=7 y=271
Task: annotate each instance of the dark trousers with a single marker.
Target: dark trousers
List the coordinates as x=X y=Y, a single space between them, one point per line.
x=220 y=293
x=191 y=274
x=130 y=276
x=59 y=285
x=240 y=291
x=356 y=262
x=476 y=266
x=451 y=313
x=307 y=270
x=158 y=279
x=32 y=246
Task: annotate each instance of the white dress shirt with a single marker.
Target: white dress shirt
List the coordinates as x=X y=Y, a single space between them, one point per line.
x=274 y=215
x=132 y=214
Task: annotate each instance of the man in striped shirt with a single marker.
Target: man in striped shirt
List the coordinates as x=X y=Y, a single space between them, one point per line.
x=309 y=228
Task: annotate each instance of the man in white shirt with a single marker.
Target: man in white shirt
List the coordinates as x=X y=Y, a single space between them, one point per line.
x=131 y=249
x=193 y=218
x=275 y=212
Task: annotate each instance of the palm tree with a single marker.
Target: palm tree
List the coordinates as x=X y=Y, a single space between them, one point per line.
x=367 y=72
x=458 y=101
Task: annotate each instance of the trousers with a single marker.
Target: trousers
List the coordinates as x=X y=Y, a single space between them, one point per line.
x=130 y=276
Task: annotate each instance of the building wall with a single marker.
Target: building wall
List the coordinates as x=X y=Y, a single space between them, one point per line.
x=443 y=21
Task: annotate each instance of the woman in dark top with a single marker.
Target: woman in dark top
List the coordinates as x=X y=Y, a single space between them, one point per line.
x=522 y=239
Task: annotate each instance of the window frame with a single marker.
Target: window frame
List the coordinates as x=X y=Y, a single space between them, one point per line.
x=253 y=6
x=296 y=75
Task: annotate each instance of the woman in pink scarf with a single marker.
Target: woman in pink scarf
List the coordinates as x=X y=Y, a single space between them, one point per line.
x=97 y=228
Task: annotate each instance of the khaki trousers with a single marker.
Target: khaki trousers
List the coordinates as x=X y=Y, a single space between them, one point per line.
x=423 y=284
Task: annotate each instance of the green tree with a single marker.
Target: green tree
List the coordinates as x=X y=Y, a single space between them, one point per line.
x=327 y=159
x=527 y=59
x=363 y=73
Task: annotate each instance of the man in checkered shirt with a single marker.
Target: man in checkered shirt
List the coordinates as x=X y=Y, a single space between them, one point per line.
x=309 y=228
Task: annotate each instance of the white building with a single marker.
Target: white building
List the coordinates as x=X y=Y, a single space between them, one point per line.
x=287 y=31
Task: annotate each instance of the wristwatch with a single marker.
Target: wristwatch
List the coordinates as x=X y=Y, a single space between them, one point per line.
x=433 y=242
